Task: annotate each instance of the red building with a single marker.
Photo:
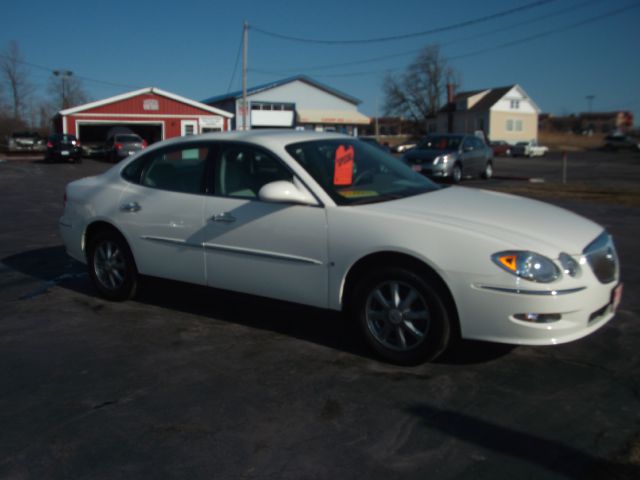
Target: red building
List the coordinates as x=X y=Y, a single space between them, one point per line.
x=150 y=112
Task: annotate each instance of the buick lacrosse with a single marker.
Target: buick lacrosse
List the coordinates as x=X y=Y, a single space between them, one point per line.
x=326 y=220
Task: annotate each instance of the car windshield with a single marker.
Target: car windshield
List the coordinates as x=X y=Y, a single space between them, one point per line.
x=353 y=172
x=440 y=142
x=128 y=139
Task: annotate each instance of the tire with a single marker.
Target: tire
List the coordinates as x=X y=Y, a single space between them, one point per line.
x=111 y=266
x=487 y=173
x=401 y=316
x=456 y=173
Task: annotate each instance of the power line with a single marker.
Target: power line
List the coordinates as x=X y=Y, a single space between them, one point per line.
x=81 y=77
x=480 y=51
x=235 y=67
x=454 y=26
x=513 y=26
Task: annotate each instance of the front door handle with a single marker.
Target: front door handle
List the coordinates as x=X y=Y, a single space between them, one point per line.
x=130 y=207
x=224 y=217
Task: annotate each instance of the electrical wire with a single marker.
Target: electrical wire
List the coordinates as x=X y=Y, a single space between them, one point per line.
x=432 y=31
x=571 y=8
x=481 y=51
x=235 y=67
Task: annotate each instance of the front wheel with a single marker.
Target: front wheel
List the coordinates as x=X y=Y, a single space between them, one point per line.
x=401 y=316
x=487 y=173
x=111 y=266
x=456 y=173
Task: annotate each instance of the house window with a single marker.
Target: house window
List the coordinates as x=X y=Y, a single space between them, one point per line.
x=515 y=104
x=518 y=125
x=509 y=125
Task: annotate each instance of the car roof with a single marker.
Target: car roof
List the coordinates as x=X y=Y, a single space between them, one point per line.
x=268 y=137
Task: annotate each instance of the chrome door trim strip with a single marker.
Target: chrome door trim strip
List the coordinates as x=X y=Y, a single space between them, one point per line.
x=262 y=254
x=171 y=241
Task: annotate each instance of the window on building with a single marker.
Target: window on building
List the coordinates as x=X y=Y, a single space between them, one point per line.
x=515 y=104
x=518 y=125
x=509 y=125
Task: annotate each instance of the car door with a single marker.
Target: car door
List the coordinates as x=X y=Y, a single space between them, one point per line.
x=276 y=250
x=469 y=156
x=161 y=212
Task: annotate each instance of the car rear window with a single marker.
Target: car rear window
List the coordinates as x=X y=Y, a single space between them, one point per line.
x=128 y=138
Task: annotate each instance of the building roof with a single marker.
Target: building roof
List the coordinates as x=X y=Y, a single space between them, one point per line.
x=278 y=83
x=487 y=101
x=142 y=91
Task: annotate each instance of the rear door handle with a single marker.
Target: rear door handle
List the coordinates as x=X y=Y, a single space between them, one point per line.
x=224 y=217
x=130 y=207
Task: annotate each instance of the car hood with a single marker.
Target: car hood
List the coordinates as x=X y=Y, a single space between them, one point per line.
x=519 y=222
x=418 y=155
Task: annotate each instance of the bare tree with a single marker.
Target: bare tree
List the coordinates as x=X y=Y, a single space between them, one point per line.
x=15 y=75
x=420 y=91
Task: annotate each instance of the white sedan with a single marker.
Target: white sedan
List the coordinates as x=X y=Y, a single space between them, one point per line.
x=529 y=149
x=326 y=220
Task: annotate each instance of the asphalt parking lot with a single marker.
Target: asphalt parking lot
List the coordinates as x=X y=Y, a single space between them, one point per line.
x=187 y=382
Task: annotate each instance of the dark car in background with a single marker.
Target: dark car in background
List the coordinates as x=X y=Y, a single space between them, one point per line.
x=621 y=142
x=500 y=148
x=62 y=146
x=451 y=156
x=122 y=145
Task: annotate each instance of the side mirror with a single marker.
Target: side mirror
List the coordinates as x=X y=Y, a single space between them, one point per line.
x=283 y=191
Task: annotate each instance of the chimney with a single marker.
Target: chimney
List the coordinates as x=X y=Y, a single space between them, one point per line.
x=450 y=107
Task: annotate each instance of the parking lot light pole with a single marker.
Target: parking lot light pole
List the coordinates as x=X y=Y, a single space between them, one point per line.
x=64 y=75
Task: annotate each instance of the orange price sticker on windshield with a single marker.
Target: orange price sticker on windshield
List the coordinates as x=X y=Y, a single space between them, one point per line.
x=343 y=170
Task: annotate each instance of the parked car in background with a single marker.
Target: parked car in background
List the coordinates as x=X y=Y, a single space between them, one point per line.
x=451 y=156
x=326 y=220
x=122 y=145
x=528 y=149
x=62 y=146
x=403 y=147
x=621 y=142
x=25 y=142
x=500 y=147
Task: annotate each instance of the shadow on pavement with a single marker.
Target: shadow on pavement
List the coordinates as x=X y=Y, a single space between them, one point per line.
x=551 y=455
x=323 y=327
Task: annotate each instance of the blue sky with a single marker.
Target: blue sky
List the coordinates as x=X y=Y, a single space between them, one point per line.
x=190 y=47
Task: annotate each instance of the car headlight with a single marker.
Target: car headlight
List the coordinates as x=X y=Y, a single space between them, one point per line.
x=528 y=265
x=442 y=159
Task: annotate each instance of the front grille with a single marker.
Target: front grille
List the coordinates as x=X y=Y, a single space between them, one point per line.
x=602 y=258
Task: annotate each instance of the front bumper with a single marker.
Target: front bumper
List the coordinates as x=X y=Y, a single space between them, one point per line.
x=491 y=314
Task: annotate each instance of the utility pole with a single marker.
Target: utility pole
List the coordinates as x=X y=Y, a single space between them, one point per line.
x=64 y=75
x=245 y=48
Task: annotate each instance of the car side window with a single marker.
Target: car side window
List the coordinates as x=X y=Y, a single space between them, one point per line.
x=467 y=144
x=179 y=169
x=242 y=170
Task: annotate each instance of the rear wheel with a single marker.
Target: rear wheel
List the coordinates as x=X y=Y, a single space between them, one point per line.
x=401 y=316
x=111 y=266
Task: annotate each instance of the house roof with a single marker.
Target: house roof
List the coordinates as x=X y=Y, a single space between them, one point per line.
x=485 y=103
x=278 y=83
x=142 y=91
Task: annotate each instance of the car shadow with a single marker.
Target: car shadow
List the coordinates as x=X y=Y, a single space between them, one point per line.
x=331 y=329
